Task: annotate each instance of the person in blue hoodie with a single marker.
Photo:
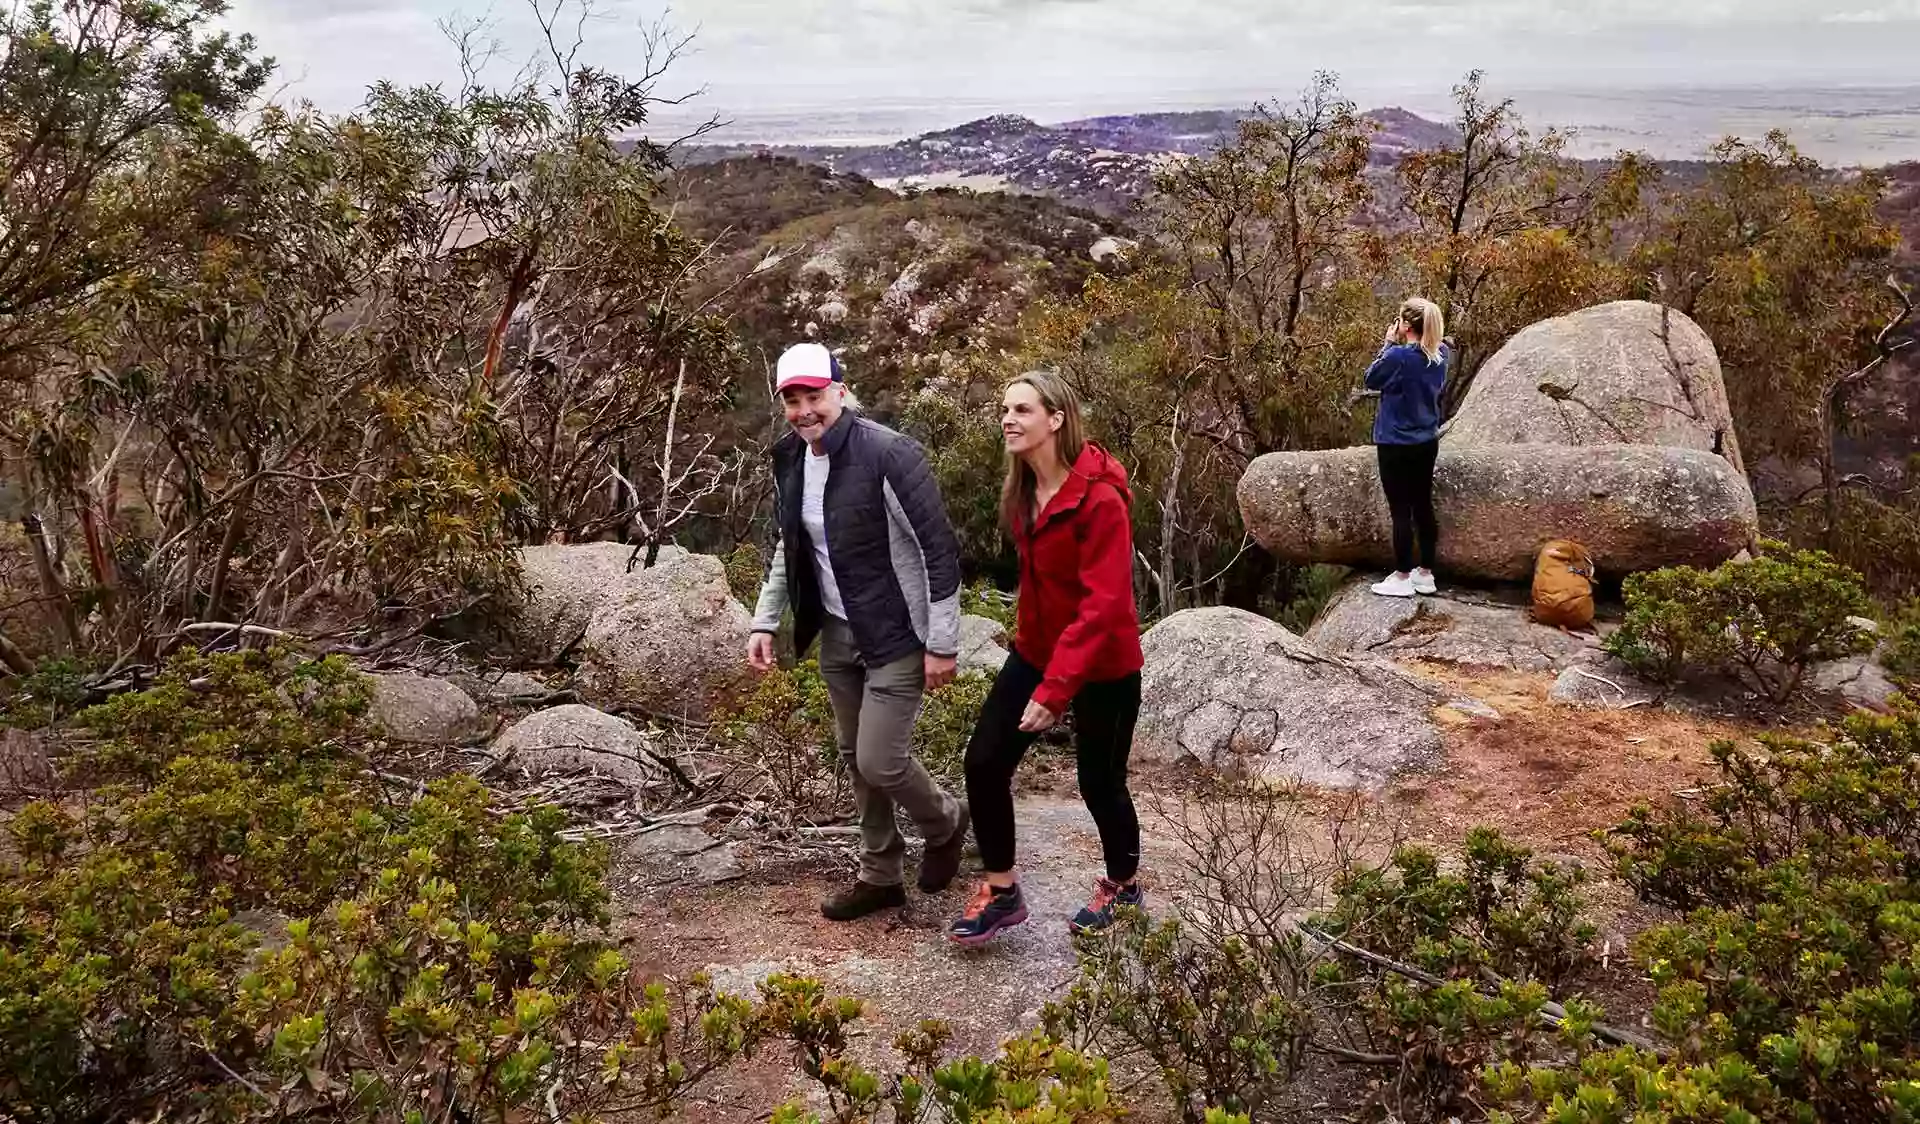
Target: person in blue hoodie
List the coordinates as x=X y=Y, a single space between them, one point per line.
x=1408 y=376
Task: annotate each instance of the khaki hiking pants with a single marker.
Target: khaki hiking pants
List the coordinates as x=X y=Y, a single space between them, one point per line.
x=875 y=708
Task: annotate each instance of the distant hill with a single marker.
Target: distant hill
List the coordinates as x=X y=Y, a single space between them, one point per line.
x=1104 y=164
x=908 y=287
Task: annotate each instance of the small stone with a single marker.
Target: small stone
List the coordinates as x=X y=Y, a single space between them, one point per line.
x=423 y=710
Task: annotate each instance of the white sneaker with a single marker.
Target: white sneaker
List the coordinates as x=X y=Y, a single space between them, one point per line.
x=1423 y=582
x=1396 y=585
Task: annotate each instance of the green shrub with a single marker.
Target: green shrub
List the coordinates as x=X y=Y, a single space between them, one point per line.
x=1767 y=620
x=53 y=691
x=982 y=599
x=242 y=925
x=1791 y=987
x=1902 y=658
x=1224 y=1023
x=746 y=568
x=1503 y=911
x=1674 y=620
x=946 y=724
x=1497 y=936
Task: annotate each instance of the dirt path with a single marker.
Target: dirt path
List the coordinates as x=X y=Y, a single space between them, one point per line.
x=1547 y=775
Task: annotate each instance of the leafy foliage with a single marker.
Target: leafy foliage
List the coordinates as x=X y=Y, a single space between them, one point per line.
x=1902 y=656
x=242 y=926
x=1788 y=986
x=1768 y=620
x=1226 y=1023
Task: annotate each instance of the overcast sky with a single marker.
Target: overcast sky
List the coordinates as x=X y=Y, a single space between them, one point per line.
x=759 y=55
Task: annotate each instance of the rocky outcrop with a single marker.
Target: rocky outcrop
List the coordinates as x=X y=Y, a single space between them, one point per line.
x=1858 y=682
x=1474 y=631
x=423 y=710
x=1241 y=694
x=673 y=642
x=1634 y=507
x=982 y=645
x=668 y=638
x=1625 y=373
x=579 y=737
x=566 y=585
x=1608 y=426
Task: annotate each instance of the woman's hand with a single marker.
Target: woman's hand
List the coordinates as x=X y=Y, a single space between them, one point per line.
x=1038 y=719
x=1393 y=332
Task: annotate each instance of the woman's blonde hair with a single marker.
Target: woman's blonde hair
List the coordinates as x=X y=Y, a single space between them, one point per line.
x=1057 y=396
x=1422 y=317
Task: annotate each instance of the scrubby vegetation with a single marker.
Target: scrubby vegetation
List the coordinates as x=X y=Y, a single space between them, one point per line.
x=230 y=913
x=1450 y=988
x=1767 y=621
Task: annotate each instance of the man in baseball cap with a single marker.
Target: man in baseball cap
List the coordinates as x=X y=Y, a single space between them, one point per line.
x=868 y=562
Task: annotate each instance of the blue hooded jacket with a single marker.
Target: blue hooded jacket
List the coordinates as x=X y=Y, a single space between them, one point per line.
x=1409 y=389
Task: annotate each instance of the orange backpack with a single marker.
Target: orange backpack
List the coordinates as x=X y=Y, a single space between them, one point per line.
x=1563 y=585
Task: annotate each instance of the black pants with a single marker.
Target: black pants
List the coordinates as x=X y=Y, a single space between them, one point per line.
x=1103 y=716
x=1406 y=474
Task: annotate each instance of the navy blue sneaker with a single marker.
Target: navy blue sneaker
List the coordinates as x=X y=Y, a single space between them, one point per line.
x=1108 y=896
x=990 y=911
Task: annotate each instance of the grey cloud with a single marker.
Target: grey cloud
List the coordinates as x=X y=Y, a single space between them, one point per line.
x=753 y=53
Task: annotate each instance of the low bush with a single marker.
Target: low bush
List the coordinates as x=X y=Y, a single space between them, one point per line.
x=983 y=599
x=1790 y=988
x=245 y=922
x=1224 y=1023
x=1766 y=621
x=1902 y=658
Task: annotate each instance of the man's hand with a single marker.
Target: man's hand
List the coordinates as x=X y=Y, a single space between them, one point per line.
x=940 y=670
x=1038 y=719
x=760 y=651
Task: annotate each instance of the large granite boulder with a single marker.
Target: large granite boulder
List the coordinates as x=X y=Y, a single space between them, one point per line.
x=1634 y=507
x=566 y=585
x=1453 y=628
x=1625 y=373
x=673 y=643
x=1241 y=694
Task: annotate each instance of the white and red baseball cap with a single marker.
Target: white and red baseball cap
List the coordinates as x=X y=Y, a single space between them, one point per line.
x=808 y=365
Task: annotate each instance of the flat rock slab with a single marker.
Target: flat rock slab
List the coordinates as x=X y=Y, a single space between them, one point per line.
x=1455 y=628
x=983 y=645
x=683 y=852
x=1634 y=507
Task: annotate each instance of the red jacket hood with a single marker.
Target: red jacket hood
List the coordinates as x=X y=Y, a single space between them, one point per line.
x=1100 y=467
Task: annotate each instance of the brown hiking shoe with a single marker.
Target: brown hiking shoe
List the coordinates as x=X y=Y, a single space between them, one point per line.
x=940 y=864
x=861 y=899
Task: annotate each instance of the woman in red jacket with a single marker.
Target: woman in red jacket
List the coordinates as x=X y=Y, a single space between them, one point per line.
x=1076 y=643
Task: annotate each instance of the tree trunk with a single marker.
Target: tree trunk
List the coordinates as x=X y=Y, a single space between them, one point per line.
x=12 y=658
x=229 y=542
x=1169 y=518
x=50 y=586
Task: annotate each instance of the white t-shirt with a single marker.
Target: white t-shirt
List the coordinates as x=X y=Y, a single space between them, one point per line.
x=813 y=516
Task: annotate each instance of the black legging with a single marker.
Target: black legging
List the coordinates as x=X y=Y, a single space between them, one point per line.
x=1103 y=716
x=1406 y=474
